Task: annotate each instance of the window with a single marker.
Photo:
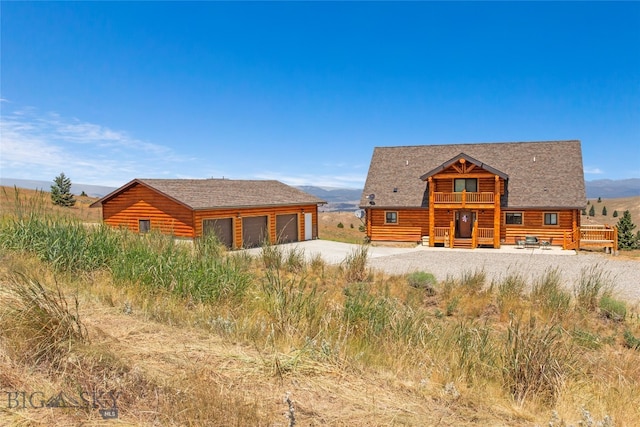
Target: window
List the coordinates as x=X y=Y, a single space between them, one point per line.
x=391 y=217
x=550 y=218
x=513 y=218
x=468 y=184
x=144 y=225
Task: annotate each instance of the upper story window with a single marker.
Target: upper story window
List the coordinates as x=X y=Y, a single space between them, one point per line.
x=468 y=184
x=513 y=218
x=391 y=217
x=550 y=218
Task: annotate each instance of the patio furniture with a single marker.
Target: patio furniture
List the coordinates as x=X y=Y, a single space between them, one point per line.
x=546 y=244
x=519 y=243
x=531 y=242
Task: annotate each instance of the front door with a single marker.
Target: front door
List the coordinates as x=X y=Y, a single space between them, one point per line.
x=464 y=224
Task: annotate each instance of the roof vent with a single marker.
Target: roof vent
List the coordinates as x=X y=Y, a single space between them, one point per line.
x=395 y=189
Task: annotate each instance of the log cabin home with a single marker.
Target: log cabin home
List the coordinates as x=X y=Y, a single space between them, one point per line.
x=241 y=213
x=471 y=195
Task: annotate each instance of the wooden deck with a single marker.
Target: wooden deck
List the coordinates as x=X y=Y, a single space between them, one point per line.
x=599 y=236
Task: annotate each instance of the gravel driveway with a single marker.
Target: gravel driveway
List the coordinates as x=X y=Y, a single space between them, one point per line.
x=497 y=263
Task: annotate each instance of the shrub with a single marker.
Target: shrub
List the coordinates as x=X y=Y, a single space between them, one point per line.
x=355 y=265
x=365 y=311
x=422 y=280
x=510 y=289
x=612 y=308
x=473 y=282
x=593 y=282
x=292 y=304
x=534 y=360
x=630 y=341
x=38 y=321
x=340 y=225
x=548 y=294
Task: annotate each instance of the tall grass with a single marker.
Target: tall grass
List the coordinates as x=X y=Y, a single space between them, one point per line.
x=291 y=302
x=593 y=283
x=535 y=360
x=345 y=316
x=37 y=321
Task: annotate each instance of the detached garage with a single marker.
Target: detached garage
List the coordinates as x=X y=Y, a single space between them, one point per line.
x=241 y=213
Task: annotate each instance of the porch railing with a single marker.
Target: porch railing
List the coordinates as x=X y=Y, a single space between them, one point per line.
x=463 y=197
x=485 y=234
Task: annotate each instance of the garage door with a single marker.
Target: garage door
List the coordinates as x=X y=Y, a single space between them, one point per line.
x=254 y=231
x=287 y=228
x=221 y=227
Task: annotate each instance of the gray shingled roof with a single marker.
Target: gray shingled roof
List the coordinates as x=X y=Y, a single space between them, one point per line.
x=225 y=193
x=540 y=174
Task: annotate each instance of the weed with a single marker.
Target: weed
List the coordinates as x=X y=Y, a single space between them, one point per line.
x=292 y=304
x=473 y=281
x=593 y=282
x=534 y=360
x=510 y=292
x=38 y=321
x=548 y=294
x=355 y=265
x=630 y=341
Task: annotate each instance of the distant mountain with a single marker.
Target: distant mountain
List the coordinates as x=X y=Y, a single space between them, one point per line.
x=345 y=199
x=339 y=199
x=612 y=189
x=77 y=189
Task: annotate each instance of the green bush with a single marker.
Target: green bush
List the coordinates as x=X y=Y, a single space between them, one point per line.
x=340 y=225
x=631 y=341
x=612 y=308
x=422 y=280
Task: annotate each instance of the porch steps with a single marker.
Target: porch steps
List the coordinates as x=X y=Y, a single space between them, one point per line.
x=462 y=243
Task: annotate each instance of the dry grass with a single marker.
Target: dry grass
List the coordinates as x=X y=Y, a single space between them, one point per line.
x=632 y=204
x=9 y=196
x=346 y=345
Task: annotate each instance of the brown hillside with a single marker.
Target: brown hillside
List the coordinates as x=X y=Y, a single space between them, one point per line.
x=10 y=197
x=632 y=204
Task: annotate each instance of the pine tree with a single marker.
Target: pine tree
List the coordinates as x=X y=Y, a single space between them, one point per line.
x=604 y=211
x=626 y=238
x=584 y=211
x=61 y=191
x=615 y=214
x=592 y=211
x=599 y=199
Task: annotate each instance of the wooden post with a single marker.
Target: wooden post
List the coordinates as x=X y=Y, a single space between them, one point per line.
x=432 y=219
x=497 y=214
x=452 y=232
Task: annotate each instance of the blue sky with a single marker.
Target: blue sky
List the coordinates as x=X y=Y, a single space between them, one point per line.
x=303 y=91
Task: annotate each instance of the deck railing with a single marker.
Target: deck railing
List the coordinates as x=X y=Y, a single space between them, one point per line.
x=485 y=234
x=463 y=197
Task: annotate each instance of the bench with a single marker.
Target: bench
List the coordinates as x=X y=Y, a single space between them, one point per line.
x=531 y=242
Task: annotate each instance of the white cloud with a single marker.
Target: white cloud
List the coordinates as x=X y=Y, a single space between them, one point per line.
x=40 y=146
x=593 y=171
x=337 y=181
